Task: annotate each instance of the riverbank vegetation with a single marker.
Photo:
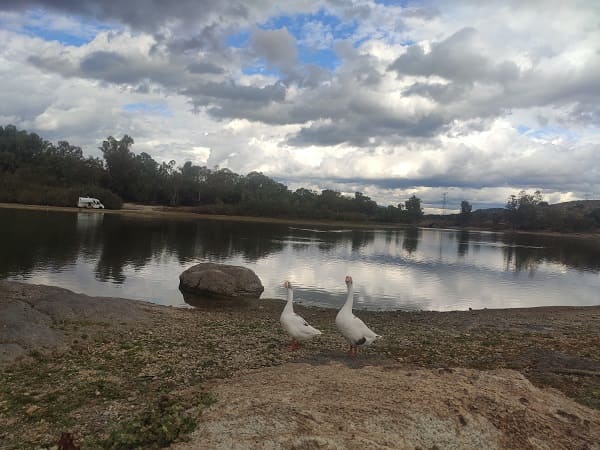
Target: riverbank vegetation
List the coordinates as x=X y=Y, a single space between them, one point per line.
x=526 y=212
x=35 y=171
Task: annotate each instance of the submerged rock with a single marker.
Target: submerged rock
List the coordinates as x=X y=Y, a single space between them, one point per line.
x=221 y=280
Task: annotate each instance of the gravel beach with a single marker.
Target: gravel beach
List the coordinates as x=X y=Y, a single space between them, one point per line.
x=120 y=373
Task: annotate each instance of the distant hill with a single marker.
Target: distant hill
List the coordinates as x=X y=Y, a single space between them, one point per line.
x=572 y=216
x=577 y=205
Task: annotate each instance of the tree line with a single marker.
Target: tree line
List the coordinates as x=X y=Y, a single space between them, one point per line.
x=528 y=212
x=36 y=171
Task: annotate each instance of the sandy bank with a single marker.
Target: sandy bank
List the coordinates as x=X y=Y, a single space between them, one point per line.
x=185 y=213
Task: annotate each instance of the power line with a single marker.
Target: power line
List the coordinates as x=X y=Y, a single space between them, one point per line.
x=444 y=203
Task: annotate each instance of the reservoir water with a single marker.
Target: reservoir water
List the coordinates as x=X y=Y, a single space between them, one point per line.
x=140 y=257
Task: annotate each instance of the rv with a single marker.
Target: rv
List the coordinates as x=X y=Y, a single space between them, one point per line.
x=89 y=202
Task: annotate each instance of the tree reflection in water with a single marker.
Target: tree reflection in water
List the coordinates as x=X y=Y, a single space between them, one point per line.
x=87 y=251
x=411 y=239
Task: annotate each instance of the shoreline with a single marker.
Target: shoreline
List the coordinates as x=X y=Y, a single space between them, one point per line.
x=175 y=213
x=119 y=360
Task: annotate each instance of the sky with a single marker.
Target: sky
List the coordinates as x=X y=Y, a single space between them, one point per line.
x=471 y=100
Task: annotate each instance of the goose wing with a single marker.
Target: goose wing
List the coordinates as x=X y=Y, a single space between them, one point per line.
x=355 y=330
x=297 y=327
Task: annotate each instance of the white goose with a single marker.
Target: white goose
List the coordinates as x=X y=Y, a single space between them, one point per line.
x=296 y=326
x=352 y=328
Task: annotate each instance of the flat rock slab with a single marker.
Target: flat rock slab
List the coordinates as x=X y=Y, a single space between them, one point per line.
x=221 y=280
x=334 y=406
x=31 y=316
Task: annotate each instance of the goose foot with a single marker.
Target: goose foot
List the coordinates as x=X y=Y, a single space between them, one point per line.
x=294 y=345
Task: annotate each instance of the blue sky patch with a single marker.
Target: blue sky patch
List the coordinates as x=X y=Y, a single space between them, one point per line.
x=327 y=58
x=160 y=109
x=300 y=25
x=549 y=132
x=41 y=24
x=260 y=67
x=238 y=40
x=315 y=36
x=55 y=35
x=401 y=3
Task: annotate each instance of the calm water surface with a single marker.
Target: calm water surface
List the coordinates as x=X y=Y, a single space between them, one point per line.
x=136 y=257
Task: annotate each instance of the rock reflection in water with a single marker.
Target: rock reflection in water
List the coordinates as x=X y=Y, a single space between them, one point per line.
x=402 y=268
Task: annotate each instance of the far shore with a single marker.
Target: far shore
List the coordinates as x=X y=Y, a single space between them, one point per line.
x=169 y=212
x=184 y=213
x=118 y=373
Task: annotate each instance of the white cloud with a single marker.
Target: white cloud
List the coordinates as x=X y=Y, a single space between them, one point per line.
x=481 y=102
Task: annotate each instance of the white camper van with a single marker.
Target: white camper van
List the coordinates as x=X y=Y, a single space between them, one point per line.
x=89 y=202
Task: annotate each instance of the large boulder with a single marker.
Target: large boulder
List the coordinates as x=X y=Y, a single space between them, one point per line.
x=221 y=280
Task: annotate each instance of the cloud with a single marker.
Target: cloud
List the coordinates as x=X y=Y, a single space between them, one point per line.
x=457 y=58
x=370 y=96
x=277 y=47
x=204 y=67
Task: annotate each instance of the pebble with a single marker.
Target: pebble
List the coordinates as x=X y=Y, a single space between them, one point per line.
x=32 y=409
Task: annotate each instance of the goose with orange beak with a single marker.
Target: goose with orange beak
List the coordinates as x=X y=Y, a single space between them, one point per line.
x=352 y=328
x=292 y=323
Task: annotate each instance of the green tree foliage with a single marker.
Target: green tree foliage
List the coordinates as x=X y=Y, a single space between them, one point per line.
x=465 y=212
x=522 y=210
x=36 y=171
x=414 y=212
x=525 y=211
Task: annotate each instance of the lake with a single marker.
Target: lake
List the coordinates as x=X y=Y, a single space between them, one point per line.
x=405 y=268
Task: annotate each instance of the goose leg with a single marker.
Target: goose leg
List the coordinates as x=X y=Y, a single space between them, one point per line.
x=294 y=345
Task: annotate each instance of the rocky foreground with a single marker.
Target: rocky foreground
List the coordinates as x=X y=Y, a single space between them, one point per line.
x=117 y=373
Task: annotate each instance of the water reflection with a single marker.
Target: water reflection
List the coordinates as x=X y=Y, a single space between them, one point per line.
x=128 y=256
x=463 y=242
x=411 y=239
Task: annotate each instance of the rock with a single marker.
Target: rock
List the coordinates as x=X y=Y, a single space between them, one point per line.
x=221 y=280
x=31 y=410
x=32 y=317
x=378 y=406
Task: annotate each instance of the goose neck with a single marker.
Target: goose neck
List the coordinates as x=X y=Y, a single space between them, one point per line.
x=289 y=307
x=349 y=299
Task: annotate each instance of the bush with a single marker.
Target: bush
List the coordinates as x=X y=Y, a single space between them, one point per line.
x=109 y=199
x=13 y=191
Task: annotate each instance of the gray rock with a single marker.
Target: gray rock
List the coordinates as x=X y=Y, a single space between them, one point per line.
x=32 y=317
x=221 y=280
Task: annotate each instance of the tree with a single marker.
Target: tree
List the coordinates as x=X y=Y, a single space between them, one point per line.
x=522 y=209
x=414 y=212
x=465 y=212
x=120 y=164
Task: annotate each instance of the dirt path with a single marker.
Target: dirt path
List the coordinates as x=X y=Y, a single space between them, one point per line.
x=121 y=374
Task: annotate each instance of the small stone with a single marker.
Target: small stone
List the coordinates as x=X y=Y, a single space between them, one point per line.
x=97 y=393
x=31 y=410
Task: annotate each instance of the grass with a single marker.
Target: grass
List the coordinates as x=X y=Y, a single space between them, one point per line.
x=154 y=428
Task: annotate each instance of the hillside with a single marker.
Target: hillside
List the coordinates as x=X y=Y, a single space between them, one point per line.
x=573 y=216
